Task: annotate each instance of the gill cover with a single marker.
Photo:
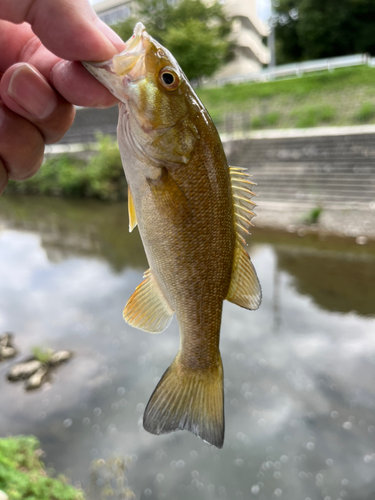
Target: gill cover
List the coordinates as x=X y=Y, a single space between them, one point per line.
x=155 y=121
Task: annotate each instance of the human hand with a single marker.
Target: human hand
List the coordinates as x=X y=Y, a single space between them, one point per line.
x=40 y=80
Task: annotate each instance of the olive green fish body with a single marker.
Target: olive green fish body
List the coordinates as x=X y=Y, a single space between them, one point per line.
x=192 y=211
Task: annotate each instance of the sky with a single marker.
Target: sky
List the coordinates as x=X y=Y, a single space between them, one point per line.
x=263 y=8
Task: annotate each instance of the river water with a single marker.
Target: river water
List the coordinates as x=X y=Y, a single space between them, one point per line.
x=299 y=372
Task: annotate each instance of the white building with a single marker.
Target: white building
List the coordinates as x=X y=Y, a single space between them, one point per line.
x=248 y=30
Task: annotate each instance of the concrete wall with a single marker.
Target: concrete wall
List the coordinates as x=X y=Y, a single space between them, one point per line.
x=331 y=167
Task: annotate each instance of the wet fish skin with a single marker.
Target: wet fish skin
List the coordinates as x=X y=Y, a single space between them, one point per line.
x=183 y=196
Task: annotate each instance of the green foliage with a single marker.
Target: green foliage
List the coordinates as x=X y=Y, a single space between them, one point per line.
x=366 y=113
x=22 y=474
x=105 y=174
x=101 y=177
x=189 y=35
x=197 y=34
x=336 y=81
x=266 y=120
x=312 y=29
x=313 y=216
x=41 y=354
x=336 y=98
x=311 y=116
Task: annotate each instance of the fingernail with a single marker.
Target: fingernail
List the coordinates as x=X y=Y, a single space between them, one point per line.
x=111 y=35
x=31 y=91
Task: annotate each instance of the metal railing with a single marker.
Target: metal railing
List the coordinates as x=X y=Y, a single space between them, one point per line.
x=296 y=69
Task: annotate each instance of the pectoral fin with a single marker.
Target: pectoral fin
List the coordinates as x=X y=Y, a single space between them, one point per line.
x=148 y=309
x=131 y=211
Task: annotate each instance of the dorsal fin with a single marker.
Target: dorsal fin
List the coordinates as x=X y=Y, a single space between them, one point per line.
x=244 y=289
x=243 y=206
x=131 y=211
x=148 y=309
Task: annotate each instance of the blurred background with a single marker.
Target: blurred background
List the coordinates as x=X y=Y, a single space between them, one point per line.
x=290 y=87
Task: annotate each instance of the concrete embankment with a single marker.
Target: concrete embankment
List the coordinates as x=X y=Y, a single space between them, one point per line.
x=299 y=170
x=295 y=171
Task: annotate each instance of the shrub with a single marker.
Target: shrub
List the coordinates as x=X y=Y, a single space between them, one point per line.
x=366 y=113
x=22 y=473
x=101 y=176
x=266 y=120
x=312 y=116
x=313 y=216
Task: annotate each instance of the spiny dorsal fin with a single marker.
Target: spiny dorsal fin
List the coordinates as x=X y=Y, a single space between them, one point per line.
x=131 y=211
x=244 y=289
x=148 y=309
x=243 y=206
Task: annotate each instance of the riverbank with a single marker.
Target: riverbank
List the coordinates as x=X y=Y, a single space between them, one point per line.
x=358 y=223
x=339 y=98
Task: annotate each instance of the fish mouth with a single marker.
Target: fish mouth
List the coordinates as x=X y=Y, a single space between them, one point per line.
x=124 y=68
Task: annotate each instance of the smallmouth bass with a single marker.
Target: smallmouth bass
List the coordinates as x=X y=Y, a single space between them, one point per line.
x=193 y=212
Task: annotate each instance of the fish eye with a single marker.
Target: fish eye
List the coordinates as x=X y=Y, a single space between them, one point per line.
x=169 y=78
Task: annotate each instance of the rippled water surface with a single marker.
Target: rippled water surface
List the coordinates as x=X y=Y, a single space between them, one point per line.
x=299 y=372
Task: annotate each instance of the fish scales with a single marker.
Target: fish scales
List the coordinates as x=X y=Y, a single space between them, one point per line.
x=190 y=208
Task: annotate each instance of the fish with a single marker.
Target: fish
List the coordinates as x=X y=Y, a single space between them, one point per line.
x=193 y=213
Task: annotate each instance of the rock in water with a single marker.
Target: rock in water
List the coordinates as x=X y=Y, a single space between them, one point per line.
x=6 y=339
x=7 y=352
x=6 y=346
x=36 y=380
x=60 y=357
x=24 y=370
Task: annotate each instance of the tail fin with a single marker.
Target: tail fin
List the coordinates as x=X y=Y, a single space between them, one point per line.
x=188 y=399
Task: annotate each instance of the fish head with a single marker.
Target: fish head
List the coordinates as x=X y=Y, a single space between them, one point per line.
x=158 y=107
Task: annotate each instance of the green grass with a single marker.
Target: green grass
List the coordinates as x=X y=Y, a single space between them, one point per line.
x=23 y=476
x=313 y=216
x=312 y=116
x=342 y=97
x=41 y=354
x=366 y=112
x=265 y=121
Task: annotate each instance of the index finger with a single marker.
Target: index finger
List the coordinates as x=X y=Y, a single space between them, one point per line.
x=68 y=28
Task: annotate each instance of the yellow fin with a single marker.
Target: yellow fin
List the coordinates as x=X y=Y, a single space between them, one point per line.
x=242 y=204
x=131 y=211
x=147 y=309
x=244 y=289
x=188 y=399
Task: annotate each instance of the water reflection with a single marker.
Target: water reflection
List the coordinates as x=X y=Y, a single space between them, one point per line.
x=337 y=282
x=299 y=373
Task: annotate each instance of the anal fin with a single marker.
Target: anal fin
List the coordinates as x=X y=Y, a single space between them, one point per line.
x=244 y=289
x=148 y=309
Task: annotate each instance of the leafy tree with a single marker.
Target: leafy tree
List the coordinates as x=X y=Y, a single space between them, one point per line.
x=197 y=34
x=312 y=29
